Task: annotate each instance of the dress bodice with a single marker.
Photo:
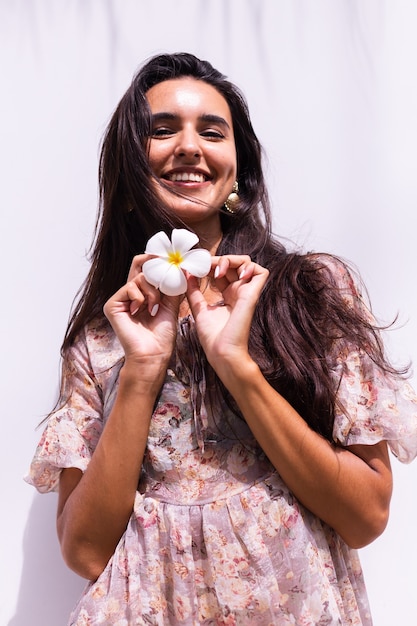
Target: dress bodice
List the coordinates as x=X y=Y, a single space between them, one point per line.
x=178 y=468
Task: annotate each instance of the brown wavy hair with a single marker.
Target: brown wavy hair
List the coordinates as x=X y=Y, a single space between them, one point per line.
x=301 y=313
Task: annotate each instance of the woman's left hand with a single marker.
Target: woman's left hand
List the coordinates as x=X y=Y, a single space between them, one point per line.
x=349 y=489
x=223 y=328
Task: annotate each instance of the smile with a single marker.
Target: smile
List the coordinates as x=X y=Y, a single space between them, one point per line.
x=193 y=177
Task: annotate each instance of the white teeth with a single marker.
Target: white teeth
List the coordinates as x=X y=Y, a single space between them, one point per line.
x=187 y=176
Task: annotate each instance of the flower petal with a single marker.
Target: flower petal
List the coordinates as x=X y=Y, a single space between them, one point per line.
x=197 y=262
x=159 y=244
x=174 y=282
x=155 y=270
x=183 y=240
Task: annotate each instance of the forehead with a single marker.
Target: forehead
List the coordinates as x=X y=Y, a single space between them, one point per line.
x=187 y=95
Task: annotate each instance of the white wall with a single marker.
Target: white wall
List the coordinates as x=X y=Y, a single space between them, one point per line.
x=332 y=86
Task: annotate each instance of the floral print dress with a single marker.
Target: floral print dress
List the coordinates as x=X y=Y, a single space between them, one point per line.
x=215 y=537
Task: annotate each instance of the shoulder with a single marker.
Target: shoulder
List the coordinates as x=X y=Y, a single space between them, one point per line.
x=325 y=275
x=318 y=293
x=98 y=344
x=344 y=279
x=315 y=270
x=342 y=272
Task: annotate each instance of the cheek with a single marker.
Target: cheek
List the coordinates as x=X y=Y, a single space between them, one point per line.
x=232 y=170
x=228 y=163
x=156 y=157
x=153 y=162
x=233 y=162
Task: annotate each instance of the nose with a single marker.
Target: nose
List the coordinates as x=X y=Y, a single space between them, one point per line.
x=188 y=144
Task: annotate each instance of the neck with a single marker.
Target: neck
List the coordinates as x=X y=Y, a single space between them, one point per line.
x=211 y=244
x=208 y=231
x=209 y=240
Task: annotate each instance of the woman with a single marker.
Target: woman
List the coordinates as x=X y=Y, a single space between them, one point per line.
x=219 y=456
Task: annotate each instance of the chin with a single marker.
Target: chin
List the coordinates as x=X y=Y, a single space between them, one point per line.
x=193 y=210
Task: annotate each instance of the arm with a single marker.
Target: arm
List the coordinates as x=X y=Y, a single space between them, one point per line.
x=349 y=489
x=94 y=508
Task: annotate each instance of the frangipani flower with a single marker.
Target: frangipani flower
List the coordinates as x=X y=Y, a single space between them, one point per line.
x=172 y=257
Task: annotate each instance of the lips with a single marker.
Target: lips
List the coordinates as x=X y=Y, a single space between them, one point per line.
x=186 y=177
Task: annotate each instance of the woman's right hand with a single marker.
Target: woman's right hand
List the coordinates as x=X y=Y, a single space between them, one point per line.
x=94 y=508
x=144 y=320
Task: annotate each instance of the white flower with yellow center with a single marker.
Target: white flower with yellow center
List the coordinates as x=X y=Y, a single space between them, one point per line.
x=172 y=258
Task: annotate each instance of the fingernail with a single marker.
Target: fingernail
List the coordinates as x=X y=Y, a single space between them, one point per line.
x=155 y=310
x=216 y=272
x=132 y=313
x=242 y=274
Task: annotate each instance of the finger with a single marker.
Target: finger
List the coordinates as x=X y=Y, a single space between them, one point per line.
x=230 y=265
x=136 y=265
x=195 y=298
x=151 y=295
x=128 y=298
x=246 y=270
x=234 y=269
x=135 y=296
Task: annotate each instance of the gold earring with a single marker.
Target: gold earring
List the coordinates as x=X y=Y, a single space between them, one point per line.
x=232 y=200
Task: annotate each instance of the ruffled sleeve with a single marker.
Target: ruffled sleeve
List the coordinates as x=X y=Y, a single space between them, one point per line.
x=376 y=407
x=372 y=405
x=72 y=431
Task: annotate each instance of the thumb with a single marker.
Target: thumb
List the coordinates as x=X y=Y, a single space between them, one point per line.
x=195 y=298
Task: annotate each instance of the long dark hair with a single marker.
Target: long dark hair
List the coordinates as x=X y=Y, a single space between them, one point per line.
x=301 y=313
x=130 y=210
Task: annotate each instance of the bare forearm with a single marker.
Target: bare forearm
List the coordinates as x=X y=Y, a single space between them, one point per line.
x=348 y=489
x=93 y=512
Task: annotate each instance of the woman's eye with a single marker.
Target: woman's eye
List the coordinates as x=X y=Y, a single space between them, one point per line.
x=212 y=134
x=162 y=132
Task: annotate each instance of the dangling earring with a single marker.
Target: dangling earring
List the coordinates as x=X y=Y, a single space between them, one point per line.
x=232 y=200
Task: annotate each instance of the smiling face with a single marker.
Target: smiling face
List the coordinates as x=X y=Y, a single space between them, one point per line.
x=192 y=149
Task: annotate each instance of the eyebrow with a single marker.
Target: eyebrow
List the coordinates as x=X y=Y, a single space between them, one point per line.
x=206 y=117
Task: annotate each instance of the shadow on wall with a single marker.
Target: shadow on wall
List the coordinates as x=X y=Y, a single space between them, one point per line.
x=48 y=589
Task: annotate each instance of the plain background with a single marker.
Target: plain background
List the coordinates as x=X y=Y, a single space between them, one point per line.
x=332 y=87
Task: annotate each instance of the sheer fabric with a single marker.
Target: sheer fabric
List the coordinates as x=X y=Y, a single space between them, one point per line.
x=215 y=536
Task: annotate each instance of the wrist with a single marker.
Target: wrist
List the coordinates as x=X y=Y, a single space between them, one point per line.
x=237 y=372
x=143 y=377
